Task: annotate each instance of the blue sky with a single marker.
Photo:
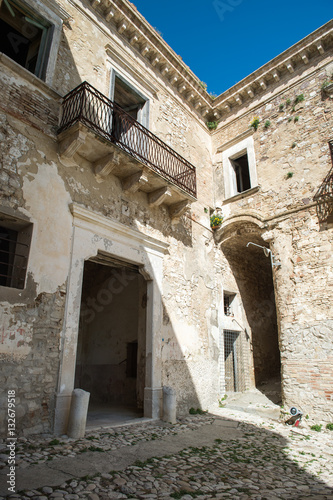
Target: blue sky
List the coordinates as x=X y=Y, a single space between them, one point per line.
x=223 y=41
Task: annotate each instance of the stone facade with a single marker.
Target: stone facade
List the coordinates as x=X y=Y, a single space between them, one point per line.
x=78 y=199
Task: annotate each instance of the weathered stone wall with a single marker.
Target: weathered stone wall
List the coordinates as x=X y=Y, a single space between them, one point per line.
x=292 y=159
x=38 y=186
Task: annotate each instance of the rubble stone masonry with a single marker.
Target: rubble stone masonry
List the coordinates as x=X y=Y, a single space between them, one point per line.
x=39 y=187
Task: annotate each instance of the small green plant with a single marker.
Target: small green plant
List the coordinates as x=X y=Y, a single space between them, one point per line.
x=95 y=448
x=289 y=119
x=267 y=124
x=307 y=417
x=296 y=119
x=203 y=85
x=197 y=411
x=299 y=98
x=212 y=95
x=329 y=426
x=212 y=125
x=54 y=442
x=288 y=101
x=326 y=83
x=281 y=107
x=221 y=400
x=316 y=427
x=216 y=220
x=289 y=175
x=255 y=123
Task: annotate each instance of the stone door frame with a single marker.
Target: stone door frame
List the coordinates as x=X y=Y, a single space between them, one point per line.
x=93 y=233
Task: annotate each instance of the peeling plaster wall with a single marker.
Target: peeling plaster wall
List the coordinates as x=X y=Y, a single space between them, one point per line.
x=38 y=186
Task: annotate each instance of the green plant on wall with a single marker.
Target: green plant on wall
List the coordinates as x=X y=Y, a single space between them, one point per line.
x=299 y=98
x=327 y=82
x=267 y=124
x=289 y=175
x=211 y=125
x=255 y=123
x=216 y=220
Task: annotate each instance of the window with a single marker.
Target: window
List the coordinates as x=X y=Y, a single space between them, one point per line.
x=15 y=237
x=131 y=361
x=25 y=36
x=129 y=99
x=228 y=303
x=239 y=166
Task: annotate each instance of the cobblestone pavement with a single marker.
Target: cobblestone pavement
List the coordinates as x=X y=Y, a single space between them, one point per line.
x=268 y=460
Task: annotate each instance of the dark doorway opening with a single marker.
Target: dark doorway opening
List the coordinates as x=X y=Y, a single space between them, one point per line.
x=110 y=362
x=252 y=271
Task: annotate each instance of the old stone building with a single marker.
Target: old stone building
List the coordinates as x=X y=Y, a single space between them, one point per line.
x=112 y=279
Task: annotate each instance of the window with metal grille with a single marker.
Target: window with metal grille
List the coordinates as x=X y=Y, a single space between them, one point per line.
x=25 y=36
x=14 y=252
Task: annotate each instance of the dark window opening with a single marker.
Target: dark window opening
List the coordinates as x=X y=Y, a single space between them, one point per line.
x=14 y=252
x=132 y=359
x=129 y=100
x=25 y=36
x=228 y=304
x=241 y=167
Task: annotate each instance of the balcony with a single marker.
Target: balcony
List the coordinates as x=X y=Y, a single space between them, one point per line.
x=98 y=133
x=324 y=195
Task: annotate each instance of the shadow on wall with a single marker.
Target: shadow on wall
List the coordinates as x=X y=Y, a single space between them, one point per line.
x=67 y=74
x=111 y=362
x=253 y=274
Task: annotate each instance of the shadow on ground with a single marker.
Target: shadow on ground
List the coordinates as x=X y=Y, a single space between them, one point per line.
x=199 y=457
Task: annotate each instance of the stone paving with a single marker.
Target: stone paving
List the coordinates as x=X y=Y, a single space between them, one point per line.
x=268 y=460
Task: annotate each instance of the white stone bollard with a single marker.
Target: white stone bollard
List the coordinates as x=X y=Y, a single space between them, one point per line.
x=78 y=414
x=169 y=405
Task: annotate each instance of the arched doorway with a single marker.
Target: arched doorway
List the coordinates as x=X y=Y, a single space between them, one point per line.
x=250 y=267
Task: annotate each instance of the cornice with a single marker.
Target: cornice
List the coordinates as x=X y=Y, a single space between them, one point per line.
x=295 y=59
x=132 y=26
x=125 y=19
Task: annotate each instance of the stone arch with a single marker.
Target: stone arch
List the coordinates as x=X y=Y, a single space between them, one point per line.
x=242 y=243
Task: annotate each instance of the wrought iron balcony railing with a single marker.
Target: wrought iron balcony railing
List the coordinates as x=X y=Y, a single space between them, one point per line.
x=324 y=195
x=87 y=105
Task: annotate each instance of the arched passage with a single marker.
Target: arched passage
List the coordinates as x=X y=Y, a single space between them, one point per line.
x=251 y=271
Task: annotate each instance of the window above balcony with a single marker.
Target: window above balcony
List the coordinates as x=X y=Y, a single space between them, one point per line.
x=100 y=131
x=129 y=99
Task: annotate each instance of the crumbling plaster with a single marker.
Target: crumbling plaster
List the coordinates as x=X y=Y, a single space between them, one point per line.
x=186 y=284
